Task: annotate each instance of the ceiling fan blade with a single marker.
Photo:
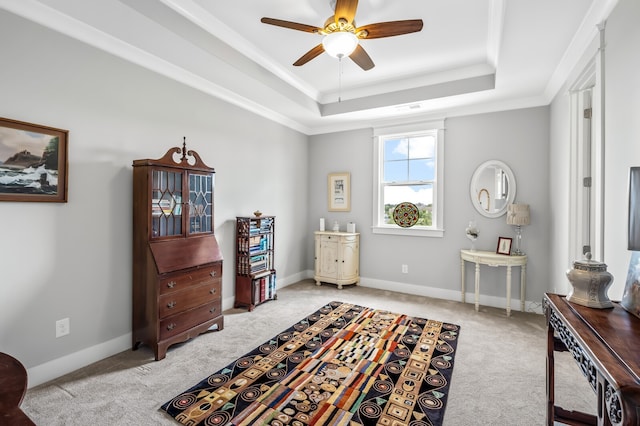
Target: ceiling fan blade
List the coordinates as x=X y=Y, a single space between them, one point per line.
x=389 y=29
x=345 y=9
x=309 y=55
x=361 y=58
x=291 y=25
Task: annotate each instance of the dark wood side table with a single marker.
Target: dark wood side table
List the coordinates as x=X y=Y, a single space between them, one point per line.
x=13 y=386
x=606 y=345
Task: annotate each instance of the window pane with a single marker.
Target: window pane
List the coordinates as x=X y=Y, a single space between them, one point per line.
x=395 y=171
x=409 y=159
x=422 y=170
x=396 y=149
x=420 y=195
x=422 y=147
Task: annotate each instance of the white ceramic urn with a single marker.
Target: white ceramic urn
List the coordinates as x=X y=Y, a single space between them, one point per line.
x=589 y=281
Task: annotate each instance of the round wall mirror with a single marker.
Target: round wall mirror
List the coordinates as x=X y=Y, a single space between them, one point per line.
x=493 y=188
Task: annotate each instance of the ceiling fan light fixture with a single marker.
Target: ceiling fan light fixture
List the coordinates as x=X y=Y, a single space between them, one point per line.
x=340 y=43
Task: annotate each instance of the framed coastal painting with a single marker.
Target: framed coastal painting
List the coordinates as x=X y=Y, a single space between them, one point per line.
x=33 y=162
x=339 y=190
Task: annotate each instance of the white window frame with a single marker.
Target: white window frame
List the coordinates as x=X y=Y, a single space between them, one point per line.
x=379 y=227
x=586 y=204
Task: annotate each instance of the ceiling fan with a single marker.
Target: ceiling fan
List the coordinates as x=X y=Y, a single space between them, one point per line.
x=341 y=35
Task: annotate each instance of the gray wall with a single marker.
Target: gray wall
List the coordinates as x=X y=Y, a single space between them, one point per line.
x=622 y=149
x=519 y=138
x=74 y=260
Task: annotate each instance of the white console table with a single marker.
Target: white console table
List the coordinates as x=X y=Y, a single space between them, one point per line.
x=493 y=259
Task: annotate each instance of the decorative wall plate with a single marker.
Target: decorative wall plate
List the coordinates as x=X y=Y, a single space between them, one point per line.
x=406 y=214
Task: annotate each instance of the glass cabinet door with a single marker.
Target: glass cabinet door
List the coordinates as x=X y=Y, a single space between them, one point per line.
x=200 y=203
x=166 y=203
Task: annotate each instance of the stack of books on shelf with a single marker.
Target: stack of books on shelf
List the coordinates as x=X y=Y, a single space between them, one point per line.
x=258 y=244
x=258 y=263
x=261 y=226
x=255 y=257
x=254 y=244
x=264 y=287
x=155 y=207
x=166 y=206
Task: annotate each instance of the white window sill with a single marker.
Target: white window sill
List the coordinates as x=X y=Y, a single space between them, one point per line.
x=412 y=232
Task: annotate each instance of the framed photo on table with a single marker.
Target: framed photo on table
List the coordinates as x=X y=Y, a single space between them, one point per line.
x=33 y=162
x=504 y=246
x=339 y=191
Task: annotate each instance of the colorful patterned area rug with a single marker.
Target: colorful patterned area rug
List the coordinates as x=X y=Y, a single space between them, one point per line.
x=342 y=365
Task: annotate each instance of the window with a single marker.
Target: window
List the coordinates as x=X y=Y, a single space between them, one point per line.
x=409 y=169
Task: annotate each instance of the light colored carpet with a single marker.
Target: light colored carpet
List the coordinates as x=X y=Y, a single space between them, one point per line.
x=498 y=376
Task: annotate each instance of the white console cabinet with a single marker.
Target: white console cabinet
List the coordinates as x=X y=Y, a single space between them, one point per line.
x=337 y=258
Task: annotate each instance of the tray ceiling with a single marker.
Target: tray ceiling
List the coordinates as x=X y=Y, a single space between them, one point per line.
x=471 y=56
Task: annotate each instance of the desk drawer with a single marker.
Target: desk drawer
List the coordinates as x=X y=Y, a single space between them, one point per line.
x=179 y=281
x=176 y=324
x=179 y=301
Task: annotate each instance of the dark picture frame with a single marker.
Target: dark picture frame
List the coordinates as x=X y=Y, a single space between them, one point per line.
x=33 y=162
x=504 y=246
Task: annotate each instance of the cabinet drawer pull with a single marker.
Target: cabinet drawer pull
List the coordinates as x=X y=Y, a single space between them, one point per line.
x=213 y=274
x=212 y=310
x=171 y=326
x=212 y=291
x=171 y=284
x=171 y=304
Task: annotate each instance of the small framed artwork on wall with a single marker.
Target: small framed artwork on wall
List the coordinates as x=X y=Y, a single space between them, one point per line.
x=339 y=191
x=33 y=162
x=504 y=246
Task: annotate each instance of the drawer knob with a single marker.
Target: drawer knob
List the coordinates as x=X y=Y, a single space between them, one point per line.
x=171 y=326
x=213 y=273
x=171 y=304
x=212 y=310
x=171 y=284
x=212 y=291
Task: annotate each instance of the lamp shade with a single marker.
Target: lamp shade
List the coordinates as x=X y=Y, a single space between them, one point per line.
x=340 y=43
x=518 y=214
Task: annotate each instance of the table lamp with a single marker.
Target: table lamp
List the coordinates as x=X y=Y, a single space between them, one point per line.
x=518 y=216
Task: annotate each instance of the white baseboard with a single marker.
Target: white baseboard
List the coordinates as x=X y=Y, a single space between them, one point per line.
x=58 y=367
x=439 y=293
x=292 y=279
x=445 y=294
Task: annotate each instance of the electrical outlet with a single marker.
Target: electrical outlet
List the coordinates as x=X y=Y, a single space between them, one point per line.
x=405 y=269
x=62 y=327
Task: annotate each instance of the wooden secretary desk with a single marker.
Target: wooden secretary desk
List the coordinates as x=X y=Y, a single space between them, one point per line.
x=606 y=345
x=177 y=263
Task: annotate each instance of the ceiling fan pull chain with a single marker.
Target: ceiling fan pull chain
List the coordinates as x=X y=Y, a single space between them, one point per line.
x=340 y=79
